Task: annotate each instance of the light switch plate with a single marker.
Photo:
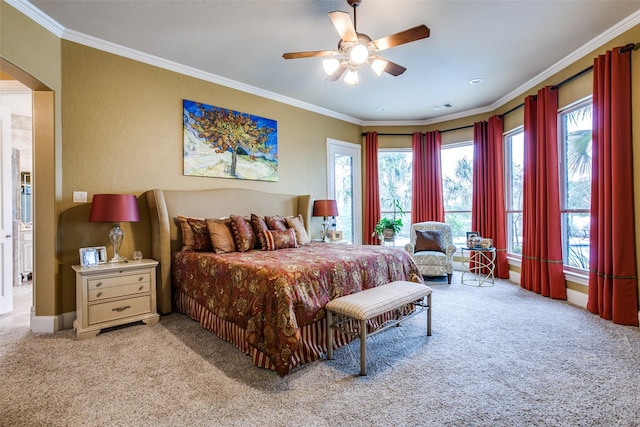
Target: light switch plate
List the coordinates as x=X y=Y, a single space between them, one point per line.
x=80 y=197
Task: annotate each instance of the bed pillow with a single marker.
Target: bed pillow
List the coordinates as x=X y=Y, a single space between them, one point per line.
x=243 y=233
x=259 y=225
x=297 y=224
x=276 y=222
x=195 y=235
x=221 y=235
x=280 y=239
x=429 y=240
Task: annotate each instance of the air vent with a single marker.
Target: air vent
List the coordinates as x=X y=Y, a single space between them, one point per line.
x=443 y=107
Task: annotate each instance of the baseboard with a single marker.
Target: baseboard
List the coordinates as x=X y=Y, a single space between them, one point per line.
x=51 y=324
x=577 y=298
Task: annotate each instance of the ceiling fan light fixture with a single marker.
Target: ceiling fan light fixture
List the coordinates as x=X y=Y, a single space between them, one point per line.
x=330 y=65
x=359 y=54
x=352 y=77
x=378 y=66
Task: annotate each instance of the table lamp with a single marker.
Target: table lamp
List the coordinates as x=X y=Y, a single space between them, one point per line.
x=325 y=208
x=115 y=208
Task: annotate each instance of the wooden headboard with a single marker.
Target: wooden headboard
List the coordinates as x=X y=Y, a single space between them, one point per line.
x=165 y=205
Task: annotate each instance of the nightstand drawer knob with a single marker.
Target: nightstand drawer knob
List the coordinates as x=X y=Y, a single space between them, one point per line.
x=121 y=309
x=140 y=279
x=141 y=288
x=98 y=284
x=99 y=294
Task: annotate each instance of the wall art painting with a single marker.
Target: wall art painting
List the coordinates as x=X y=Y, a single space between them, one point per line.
x=224 y=143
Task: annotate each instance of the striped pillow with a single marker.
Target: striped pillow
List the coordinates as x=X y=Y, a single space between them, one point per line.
x=280 y=239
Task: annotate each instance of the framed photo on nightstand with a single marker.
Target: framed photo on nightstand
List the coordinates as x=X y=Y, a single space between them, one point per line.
x=90 y=257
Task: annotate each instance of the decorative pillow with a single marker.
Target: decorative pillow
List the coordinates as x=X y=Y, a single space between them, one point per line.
x=280 y=239
x=243 y=233
x=259 y=225
x=276 y=222
x=221 y=235
x=200 y=234
x=186 y=233
x=429 y=240
x=297 y=224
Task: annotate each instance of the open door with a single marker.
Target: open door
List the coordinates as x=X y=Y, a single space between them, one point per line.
x=6 y=224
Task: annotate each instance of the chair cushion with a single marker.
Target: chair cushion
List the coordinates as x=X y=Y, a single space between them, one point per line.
x=434 y=258
x=429 y=240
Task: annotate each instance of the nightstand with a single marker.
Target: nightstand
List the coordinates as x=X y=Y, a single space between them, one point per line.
x=114 y=294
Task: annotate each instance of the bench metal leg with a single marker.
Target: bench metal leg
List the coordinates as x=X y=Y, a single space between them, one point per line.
x=329 y=335
x=363 y=347
x=429 y=315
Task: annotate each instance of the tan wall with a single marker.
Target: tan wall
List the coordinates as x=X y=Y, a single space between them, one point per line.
x=124 y=135
x=32 y=55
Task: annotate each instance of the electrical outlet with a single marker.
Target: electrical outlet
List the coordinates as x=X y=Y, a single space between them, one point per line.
x=80 y=197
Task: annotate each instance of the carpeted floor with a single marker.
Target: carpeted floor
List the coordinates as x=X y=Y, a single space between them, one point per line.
x=498 y=356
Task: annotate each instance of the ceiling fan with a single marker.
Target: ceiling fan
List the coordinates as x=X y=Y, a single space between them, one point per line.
x=356 y=49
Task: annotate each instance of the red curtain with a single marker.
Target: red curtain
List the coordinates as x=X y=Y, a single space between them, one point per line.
x=427 y=203
x=488 y=215
x=542 y=240
x=372 y=189
x=613 y=282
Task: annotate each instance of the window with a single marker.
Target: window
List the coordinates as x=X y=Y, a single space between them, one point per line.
x=395 y=180
x=514 y=167
x=457 y=185
x=575 y=183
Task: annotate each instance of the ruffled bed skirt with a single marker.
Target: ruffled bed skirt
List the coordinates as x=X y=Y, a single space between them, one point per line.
x=313 y=344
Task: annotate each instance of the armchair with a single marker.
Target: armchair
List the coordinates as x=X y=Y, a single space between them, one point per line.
x=431 y=246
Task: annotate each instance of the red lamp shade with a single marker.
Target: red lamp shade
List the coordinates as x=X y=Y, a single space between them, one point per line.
x=114 y=208
x=325 y=208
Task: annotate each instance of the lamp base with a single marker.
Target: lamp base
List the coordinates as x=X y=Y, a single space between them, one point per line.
x=116 y=235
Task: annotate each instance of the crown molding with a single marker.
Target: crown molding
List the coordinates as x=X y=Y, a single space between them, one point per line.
x=54 y=27
x=37 y=15
x=613 y=32
x=136 y=55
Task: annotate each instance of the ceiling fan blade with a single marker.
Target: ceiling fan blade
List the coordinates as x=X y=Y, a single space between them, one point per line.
x=391 y=67
x=337 y=73
x=344 y=26
x=407 y=36
x=309 y=54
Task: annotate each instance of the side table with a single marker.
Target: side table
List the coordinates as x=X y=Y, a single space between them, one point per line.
x=478 y=266
x=114 y=294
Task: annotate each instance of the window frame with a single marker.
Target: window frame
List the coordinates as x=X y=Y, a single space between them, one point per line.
x=562 y=181
x=467 y=143
x=507 y=138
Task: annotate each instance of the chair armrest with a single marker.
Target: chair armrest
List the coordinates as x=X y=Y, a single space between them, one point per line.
x=451 y=249
x=409 y=248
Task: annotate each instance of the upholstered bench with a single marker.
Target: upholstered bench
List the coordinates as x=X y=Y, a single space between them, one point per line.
x=367 y=304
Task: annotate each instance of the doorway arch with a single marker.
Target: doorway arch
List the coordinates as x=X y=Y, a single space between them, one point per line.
x=44 y=301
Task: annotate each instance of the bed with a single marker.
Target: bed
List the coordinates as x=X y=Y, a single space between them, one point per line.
x=268 y=303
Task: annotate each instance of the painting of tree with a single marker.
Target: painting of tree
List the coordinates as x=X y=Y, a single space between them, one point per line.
x=224 y=143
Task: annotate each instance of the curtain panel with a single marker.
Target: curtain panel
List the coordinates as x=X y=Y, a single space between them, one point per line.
x=427 y=203
x=372 y=189
x=488 y=214
x=542 y=241
x=613 y=282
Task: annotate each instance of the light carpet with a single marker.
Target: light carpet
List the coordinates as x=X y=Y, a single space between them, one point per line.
x=498 y=356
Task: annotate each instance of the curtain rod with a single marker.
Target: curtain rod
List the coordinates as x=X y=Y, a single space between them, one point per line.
x=628 y=47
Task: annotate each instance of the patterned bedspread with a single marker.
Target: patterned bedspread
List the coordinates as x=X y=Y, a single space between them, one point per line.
x=271 y=294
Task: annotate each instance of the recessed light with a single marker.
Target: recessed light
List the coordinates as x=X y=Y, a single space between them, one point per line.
x=382 y=108
x=475 y=81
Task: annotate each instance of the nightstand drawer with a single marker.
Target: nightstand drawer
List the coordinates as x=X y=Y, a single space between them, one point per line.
x=124 y=279
x=118 y=291
x=108 y=311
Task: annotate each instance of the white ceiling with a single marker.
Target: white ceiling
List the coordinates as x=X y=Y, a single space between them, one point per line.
x=511 y=45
